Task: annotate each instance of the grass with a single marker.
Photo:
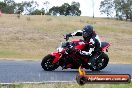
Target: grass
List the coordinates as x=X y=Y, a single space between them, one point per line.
x=67 y=85
x=33 y=37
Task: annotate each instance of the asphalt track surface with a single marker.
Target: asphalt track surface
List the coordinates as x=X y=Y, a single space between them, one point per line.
x=31 y=71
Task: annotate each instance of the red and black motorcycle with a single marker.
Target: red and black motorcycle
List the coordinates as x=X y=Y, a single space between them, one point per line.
x=67 y=56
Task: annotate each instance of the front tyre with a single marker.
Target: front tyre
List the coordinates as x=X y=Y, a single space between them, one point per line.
x=47 y=63
x=100 y=63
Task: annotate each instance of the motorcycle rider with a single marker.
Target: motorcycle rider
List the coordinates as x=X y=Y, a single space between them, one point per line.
x=89 y=36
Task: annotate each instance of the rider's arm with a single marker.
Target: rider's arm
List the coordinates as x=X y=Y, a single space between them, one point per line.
x=94 y=45
x=91 y=49
x=77 y=33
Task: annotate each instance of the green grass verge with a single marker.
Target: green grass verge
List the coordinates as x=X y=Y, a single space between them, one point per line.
x=67 y=85
x=8 y=53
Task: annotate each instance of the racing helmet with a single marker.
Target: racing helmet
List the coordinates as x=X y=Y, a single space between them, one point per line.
x=87 y=32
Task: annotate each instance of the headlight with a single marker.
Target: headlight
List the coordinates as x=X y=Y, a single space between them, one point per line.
x=59 y=49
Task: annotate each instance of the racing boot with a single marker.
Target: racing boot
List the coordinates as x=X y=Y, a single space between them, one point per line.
x=92 y=61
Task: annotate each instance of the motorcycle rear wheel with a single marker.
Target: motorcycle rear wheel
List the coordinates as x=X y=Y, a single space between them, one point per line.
x=47 y=63
x=100 y=63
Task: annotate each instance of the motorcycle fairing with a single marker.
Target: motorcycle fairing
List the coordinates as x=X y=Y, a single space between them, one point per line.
x=104 y=46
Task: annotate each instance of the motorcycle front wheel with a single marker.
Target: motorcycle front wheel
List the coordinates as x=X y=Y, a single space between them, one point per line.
x=47 y=63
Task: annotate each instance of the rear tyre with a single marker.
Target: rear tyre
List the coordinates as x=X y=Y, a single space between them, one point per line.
x=100 y=63
x=47 y=63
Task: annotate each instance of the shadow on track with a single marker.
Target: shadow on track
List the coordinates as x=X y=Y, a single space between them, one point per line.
x=59 y=70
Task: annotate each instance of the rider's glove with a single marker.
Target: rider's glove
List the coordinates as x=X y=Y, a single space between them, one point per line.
x=85 y=53
x=67 y=36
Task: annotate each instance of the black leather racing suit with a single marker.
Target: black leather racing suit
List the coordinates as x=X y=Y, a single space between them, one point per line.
x=94 y=41
x=94 y=45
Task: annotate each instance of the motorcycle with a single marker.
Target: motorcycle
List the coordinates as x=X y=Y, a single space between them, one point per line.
x=67 y=56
